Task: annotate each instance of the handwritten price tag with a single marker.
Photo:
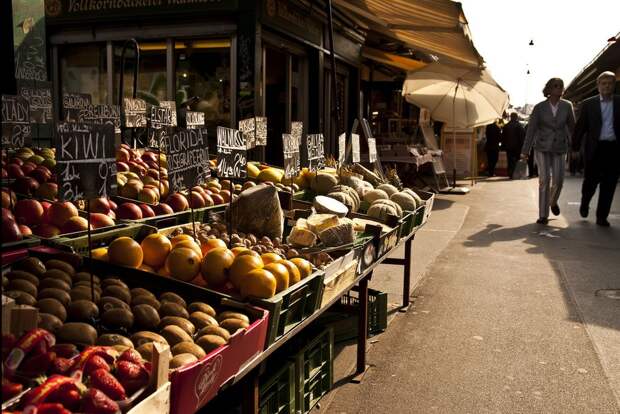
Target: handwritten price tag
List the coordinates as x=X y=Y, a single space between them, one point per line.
x=231 y=153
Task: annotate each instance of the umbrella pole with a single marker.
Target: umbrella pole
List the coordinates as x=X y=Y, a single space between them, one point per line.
x=454 y=136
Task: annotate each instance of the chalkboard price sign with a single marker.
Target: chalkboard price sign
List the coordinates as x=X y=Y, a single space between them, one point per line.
x=231 y=153
x=261 y=130
x=247 y=128
x=39 y=97
x=192 y=119
x=16 y=128
x=135 y=112
x=172 y=105
x=291 y=156
x=72 y=103
x=100 y=115
x=187 y=153
x=86 y=162
x=316 y=152
x=161 y=119
x=355 y=147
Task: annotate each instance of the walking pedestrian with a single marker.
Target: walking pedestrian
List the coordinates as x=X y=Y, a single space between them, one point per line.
x=551 y=125
x=494 y=137
x=513 y=137
x=599 y=121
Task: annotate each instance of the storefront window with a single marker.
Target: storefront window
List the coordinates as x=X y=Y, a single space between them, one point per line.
x=203 y=71
x=151 y=76
x=83 y=70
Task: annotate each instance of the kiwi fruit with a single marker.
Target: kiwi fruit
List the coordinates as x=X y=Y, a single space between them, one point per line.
x=52 y=306
x=146 y=350
x=85 y=277
x=55 y=284
x=112 y=339
x=211 y=342
x=172 y=309
x=234 y=315
x=49 y=322
x=188 y=348
x=32 y=265
x=175 y=334
x=60 y=265
x=214 y=330
x=141 y=292
x=78 y=333
x=84 y=292
x=182 y=323
x=143 y=337
x=172 y=297
x=201 y=307
x=22 y=274
x=83 y=310
x=113 y=282
x=145 y=316
x=58 y=294
x=201 y=319
x=233 y=325
x=117 y=318
x=145 y=300
x=24 y=286
x=109 y=302
x=58 y=274
x=87 y=284
x=20 y=297
x=181 y=360
x=118 y=292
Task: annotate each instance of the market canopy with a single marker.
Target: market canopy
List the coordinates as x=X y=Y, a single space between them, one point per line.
x=391 y=59
x=438 y=27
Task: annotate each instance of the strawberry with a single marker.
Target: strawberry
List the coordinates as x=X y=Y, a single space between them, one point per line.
x=38 y=364
x=51 y=408
x=131 y=376
x=67 y=395
x=106 y=382
x=94 y=363
x=65 y=350
x=61 y=366
x=10 y=389
x=131 y=355
x=97 y=402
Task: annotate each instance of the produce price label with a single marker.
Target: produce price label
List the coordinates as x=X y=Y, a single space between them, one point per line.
x=355 y=147
x=231 y=153
x=292 y=164
x=160 y=120
x=86 y=160
x=172 y=105
x=194 y=119
x=134 y=111
x=100 y=115
x=248 y=130
x=16 y=128
x=72 y=103
x=261 y=130
x=372 y=150
x=39 y=97
x=316 y=152
x=297 y=129
x=187 y=153
x=342 y=148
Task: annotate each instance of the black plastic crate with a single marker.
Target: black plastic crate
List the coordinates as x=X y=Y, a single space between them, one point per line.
x=277 y=391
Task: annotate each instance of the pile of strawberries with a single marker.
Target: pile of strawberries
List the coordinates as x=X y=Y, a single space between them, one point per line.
x=96 y=381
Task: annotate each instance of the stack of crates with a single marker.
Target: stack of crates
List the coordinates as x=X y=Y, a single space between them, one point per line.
x=277 y=392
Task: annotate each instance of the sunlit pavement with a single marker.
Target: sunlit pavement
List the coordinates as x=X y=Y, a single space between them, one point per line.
x=509 y=316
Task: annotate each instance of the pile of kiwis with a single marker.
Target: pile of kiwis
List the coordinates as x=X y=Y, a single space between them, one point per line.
x=118 y=316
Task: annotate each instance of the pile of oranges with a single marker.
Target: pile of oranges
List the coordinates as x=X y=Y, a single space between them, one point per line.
x=210 y=263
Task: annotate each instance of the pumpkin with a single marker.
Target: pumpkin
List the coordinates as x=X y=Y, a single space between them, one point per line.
x=374 y=195
x=381 y=211
x=390 y=203
x=418 y=200
x=388 y=188
x=350 y=192
x=404 y=200
x=323 y=182
x=344 y=199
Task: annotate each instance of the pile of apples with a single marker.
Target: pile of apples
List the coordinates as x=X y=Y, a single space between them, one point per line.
x=32 y=171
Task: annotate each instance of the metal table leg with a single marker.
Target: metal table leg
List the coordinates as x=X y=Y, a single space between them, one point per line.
x=362 y=326
x=407 y=272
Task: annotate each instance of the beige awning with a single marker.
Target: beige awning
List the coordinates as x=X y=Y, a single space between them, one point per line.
x=437 y=27
x=391 y=59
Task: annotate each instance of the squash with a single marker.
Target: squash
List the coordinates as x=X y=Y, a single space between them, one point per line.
x=373 y=195
x=349 y=192
x=390 y=203
x=418 y=200
x=352 y=181
x=344 y=199
x=323 y=182
x=404 y=200
x=388 y=188
x=381 y=211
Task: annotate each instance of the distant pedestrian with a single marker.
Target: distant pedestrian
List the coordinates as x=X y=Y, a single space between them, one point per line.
x=531 y=161
x=551 y=125
x=494 y=137
x=513 y=136
x=599 y=121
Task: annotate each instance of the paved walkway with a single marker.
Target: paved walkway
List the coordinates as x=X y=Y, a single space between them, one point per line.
x=509 y=318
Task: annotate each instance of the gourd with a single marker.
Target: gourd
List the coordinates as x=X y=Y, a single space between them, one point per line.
x=388 y=188
x=418 y=200
x=391 y=203
x=322 y=183
x=348 y=191
x=381 y=211
x=374 y=195
x=344 y=199
x=404 y=200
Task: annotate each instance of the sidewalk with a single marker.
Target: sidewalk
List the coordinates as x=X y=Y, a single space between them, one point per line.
x=506 y=320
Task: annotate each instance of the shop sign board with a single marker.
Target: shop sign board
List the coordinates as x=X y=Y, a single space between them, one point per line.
x=29 y=43
x=72 y=104
x=134 y=111
x=86 y=160
x=316 y=151
x=16 y=126
x=355 y=146
x=292 y=18
x=101 y=114
x=187 y=153
x=231 y=153
x=292 y=164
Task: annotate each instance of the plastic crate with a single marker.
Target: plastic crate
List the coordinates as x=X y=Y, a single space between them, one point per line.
x=181 y=217
x=314 y=370
x=102 y=238
x=277 y=392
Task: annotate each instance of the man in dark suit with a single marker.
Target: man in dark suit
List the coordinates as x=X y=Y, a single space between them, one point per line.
x=599 y=122
x=513 y=136
x=494 y=137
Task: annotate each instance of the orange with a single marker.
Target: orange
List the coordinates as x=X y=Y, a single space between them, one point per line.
x=100 y=253
x=125 y=251
x=215 y=266
x=189 y=245
x=280 y=272
x=237 y=250
x=248 y=252
x=304 y=266
x=258 y=283
x=183 y=263
x=270 y=257
x=294 y=275
x=163 y=272
x=155 y=247
x=212 y=244
x=181 y=237
x=242 y=265
x=147 y=268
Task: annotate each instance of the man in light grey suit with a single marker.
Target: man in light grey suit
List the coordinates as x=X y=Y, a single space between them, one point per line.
x=549 y=130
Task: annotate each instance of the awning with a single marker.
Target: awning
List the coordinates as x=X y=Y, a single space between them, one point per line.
x=391 y=59
x=438 y=27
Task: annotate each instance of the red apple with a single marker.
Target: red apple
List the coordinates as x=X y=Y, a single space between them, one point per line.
x=129 y=211
x=112 y=214
x=162 y=208
x=29 y=212
x=122 y=154
x=28 y=167
x=100 y=205
x=46 y=231
x=197 y=200
x=217 y=199
x=113 y=205
x=41 y=174
x=10 y=231
x=98 y=220
x=152 y=172
x=60 y=212
x=25 y=230
x=147 y=211
x=26 y=185
x=16 y=160
x=208 y=200
x=8 y=198
x=5 y=173
x=48 y=191
x=178 y=202
x=14 y=171
x=121 y=166
x=7 y=215
x=149 y=156
x=75 y=224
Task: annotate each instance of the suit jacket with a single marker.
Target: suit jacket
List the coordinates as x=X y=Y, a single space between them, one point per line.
x=513 y=136
x=494 y=137
x=589 y=125
x=548 y=133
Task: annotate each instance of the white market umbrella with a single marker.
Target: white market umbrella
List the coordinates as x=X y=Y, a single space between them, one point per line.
x=460 y=96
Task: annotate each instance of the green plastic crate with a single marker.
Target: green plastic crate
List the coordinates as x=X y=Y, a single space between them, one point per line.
x=314 y=370
x=100 y=239
x=277 y=392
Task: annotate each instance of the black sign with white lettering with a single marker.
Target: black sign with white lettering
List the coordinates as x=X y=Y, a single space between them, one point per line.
x=191 y=119
x=100 y=115
x=160 y=122
x=261 y=130
x=16 y=127
x=39 y=97
x=86 y=163
x=292 y=164
x=231 y=153
x=316 y=152
x=187 y=153
x=134 y=111
x=247 y=128
x=72 y=103
x=172 y=105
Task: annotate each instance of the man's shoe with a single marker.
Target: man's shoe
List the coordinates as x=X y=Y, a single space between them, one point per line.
x=555 y=209
x=583 y=210
x=602 y=222
x=542 y=220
